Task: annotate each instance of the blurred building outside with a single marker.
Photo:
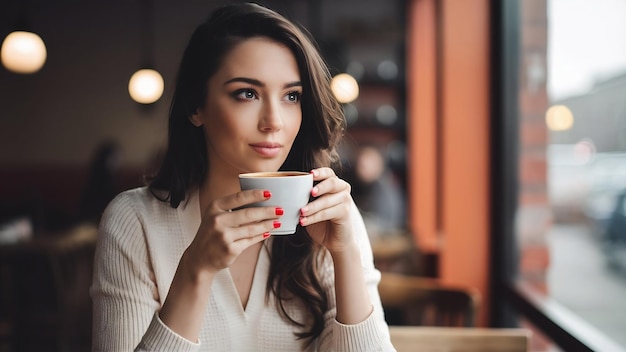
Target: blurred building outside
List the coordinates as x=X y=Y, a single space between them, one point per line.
x=570 y=178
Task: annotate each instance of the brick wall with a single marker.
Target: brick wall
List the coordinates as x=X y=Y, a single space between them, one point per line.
x=534 y=216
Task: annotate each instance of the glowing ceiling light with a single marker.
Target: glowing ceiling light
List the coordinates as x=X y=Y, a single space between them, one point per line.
x=146 y=86
x=23 y=52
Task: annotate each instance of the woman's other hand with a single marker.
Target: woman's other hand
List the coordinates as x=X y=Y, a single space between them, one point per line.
x=327 y=217
x=328 y=222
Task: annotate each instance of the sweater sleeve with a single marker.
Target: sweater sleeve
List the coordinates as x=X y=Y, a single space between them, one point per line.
x=372 y=334
x=124 y=292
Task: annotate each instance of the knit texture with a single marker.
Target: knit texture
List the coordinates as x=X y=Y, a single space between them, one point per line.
x=141 y=241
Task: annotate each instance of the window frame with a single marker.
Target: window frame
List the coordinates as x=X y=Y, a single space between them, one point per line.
x=512 y=298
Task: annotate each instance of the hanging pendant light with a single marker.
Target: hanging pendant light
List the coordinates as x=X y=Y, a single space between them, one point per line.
x=146 y=85
x=23 y=51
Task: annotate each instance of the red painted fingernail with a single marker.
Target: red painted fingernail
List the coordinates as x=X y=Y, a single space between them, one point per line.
x=303 y=211
x=267 y=194
x=302 y=219
x=266 y=235
x=279 y=211
x=276 y=224
x=314 y=191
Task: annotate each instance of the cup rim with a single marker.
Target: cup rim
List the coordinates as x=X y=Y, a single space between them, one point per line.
x=274 y=174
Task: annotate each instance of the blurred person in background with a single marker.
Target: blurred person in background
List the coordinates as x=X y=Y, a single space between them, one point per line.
x=102 y=183
x=377 y=193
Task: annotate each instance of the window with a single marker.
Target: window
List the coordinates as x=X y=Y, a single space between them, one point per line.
x=564 y=126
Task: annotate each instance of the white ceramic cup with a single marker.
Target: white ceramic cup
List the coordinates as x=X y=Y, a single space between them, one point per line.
x=290 y=190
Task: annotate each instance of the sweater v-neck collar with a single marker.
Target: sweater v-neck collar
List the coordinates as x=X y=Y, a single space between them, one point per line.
x=225 y=283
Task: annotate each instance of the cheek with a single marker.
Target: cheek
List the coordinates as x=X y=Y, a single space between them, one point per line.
x=224 y=130
x=222 y=117
x=220 y=127
x=294 y=127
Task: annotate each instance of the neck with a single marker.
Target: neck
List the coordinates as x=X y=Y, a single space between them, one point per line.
x=217 y=185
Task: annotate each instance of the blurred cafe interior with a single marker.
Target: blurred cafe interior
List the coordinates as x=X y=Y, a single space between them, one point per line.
x=486 y=148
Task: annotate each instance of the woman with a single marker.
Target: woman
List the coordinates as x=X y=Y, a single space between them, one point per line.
x=180 y=266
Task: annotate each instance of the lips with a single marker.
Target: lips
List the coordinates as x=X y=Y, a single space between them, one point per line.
x=266 y=149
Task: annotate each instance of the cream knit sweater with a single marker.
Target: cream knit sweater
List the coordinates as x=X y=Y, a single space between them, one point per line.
x=140 y=243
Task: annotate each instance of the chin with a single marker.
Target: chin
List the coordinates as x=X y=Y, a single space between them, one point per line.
x=263 y=169
x=262 y=165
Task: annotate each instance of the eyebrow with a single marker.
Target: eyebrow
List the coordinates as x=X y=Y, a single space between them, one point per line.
x=258 y=83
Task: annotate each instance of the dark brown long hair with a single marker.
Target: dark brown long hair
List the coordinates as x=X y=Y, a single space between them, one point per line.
x=294 y=259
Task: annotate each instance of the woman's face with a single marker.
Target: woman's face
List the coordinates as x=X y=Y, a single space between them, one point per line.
x=252 y=113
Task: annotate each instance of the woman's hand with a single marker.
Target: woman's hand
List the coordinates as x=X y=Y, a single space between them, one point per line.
x=327 y=218
x=222 y=236
x=328 y=222
x=224 y=233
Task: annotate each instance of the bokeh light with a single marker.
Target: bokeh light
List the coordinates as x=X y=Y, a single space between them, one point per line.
x=23 y=52
x=345 y=88
x=146 y=86
x=559 y=118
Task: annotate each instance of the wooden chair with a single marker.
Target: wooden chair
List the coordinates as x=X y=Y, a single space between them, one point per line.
x=397 y=253
x=412 y=300
x=446 y=339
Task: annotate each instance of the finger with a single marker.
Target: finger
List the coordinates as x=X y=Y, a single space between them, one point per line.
x=328 y=201
x=322 y=173
x=335 y=212
x=252 y=229
x=240 y=199
x=330 y=185
x=245 y=216
x=243 y=243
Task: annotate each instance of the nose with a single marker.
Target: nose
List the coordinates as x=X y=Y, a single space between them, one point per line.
x=271 y=117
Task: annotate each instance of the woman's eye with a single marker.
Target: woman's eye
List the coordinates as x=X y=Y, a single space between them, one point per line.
x=293 y=97
x=245 y=94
